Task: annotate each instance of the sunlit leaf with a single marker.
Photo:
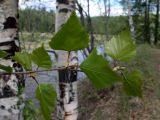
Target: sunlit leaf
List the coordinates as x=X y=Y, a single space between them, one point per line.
x=24 y=59
x=3 y=54
x=132 y=83
x=71 y=37
x=121 y=47
x=98 y=70
x=7 y=69
x=41 y=58
x=46 y=95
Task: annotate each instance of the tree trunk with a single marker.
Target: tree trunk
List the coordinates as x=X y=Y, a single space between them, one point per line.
x=82 y=18
x=156 y=24
x=67 y=103
x=10 y=85
x=90 y=28
x=106 y=17
x=130 y=21
x=147 y=23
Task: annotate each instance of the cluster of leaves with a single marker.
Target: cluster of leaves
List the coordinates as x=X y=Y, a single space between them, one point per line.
x=72 y=37
x=45 y=93
x=121 y=49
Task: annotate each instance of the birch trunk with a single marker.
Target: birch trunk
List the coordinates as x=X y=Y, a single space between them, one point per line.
x=9 y=84
x=67 y=85
x=156 y=23
x=130 y=21
x=147 y=22
x=106 y=17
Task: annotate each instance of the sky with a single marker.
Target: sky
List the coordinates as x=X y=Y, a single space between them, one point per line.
x=96 y=8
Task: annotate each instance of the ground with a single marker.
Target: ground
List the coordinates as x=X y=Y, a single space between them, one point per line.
x=113 y=104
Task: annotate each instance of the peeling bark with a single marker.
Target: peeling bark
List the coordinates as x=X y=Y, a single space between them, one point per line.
x=67 y=85
x=10 y=85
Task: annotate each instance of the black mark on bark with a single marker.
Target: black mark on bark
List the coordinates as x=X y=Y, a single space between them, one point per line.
x=14 y=48
x=1 y=1
x=7 y=91
x=73 y=76
x=64 y=10
x=62 y=76
x=63 y=1
x=10 y=23
x=2 y=107
x=21 y=80
x=17 y=15
x=6 y=78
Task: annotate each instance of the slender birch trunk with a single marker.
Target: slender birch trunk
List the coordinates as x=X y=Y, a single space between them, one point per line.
x=106 y=17
x=147 y=22
x=67 y=85
x=90 y=28
x=130 y=20
x=156 y=23
x=10 y=85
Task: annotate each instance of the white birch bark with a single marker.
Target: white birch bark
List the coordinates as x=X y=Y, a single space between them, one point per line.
x=67 y=84
x=130 y=20
x=9 y=84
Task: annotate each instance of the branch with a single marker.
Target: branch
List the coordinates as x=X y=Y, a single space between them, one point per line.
x=71 y=67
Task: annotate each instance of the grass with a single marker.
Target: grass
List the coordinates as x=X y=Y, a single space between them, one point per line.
x=35 y=39
x=114 y=104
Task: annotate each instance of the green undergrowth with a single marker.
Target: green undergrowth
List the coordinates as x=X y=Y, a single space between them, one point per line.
x=113 y=104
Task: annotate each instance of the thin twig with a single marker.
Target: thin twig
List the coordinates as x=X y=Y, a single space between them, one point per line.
x=39 y=71
x=68 y=58
x=35 y=80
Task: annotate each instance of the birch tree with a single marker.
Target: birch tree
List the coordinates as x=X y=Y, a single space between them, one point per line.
x=156 y=23
x=128 y=7
x=130 y=20
x=10 y=85
x=147 y=21
x=106 y=16
x=67 y=84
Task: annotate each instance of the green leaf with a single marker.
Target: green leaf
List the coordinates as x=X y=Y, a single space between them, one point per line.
x=41 y=58
x=8 y=69
x=121 y=47
x=46 y=95
x=30 y=112
x=98 y=70
x=3 y=54
x=24 y=59
x=132 y=83
x=71 y=37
